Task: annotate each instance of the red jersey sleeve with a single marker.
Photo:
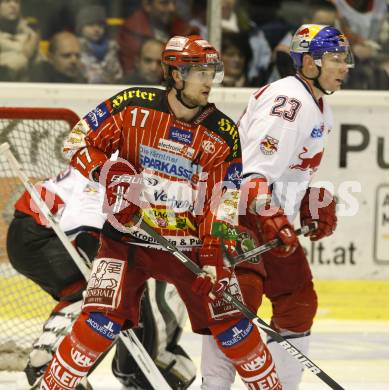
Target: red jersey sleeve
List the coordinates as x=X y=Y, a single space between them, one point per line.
x=94 y=138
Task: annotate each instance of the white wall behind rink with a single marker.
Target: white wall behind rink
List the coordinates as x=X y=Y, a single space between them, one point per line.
x=355 y=165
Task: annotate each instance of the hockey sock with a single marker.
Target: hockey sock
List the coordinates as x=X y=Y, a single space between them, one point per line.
x=289 y=369
x=217 y=371
x=91 y=335
x=241 y=342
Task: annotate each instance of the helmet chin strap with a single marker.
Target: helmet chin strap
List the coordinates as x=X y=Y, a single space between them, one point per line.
x=316 y=81
x=179 y=96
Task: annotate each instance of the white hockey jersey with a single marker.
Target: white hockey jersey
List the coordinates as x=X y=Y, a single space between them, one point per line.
x=83 y=201
x=283 y=132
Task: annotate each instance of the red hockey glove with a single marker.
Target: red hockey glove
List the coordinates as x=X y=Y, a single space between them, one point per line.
x=123 y=187
x=216 y=276
x=273 y=223
x=319 y=205
x=212 y=282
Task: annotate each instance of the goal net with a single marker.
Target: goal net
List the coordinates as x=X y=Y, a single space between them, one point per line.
x=35 y=136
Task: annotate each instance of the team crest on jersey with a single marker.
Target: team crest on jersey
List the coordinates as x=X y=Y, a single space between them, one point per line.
x=269 y=145
x=317 y=132
x=97 y=116
x=208 y=146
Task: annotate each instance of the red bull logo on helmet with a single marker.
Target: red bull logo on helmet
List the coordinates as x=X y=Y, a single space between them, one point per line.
x=304 y=32
x=308 y=31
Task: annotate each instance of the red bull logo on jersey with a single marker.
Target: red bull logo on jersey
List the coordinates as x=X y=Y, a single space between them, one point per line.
x=308 y=163
x=269 y=145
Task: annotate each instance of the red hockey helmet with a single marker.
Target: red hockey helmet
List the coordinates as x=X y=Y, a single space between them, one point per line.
x=184 y=53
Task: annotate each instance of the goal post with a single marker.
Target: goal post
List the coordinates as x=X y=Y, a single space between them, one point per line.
x=35 y=136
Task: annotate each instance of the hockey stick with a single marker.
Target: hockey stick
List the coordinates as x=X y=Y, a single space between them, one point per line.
x=267 y=246
x=146 y=364
x=192 y=266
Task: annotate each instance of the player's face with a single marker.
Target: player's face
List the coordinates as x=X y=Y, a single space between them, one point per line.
x=198 y=86
x=334 y=71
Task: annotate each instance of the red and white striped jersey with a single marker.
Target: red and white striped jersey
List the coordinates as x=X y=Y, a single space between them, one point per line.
x=184 y=164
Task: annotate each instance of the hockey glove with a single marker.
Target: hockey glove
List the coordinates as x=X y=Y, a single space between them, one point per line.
x=319 y=205
x=216 y=276
x=271 y=221
x=123 y=189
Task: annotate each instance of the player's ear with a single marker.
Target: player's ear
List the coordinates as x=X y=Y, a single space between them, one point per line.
x=177 y=77
x=309 y=66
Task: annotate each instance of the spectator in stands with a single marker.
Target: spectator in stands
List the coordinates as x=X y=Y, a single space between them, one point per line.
x=236 y=54
x=99 y=54
x=64 y=61
x=361 y=20
x=148 y=69
x=235 y=17
x=325 y=13
x=54 y=16
x=153 y=19
x=18 y=42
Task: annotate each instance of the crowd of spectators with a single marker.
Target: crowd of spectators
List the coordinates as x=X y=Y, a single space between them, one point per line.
x=120 y=41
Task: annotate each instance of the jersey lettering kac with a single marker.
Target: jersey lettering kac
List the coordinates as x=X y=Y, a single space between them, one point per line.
x=283 y=133
x=182 y=163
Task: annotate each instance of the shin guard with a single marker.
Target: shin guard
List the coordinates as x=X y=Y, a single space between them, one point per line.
x=91 y=335
x=241 y=342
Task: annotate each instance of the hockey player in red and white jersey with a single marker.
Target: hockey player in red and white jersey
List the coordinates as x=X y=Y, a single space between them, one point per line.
x=181 y=158
x=283 y=132
x=76 y=203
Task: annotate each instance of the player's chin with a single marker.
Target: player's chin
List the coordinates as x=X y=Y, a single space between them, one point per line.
x=203 y=100
x=339 y=83
x=335 y=86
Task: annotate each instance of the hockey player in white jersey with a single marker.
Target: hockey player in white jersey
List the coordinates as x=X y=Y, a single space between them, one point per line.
x=36 y=252
x=283 y=132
